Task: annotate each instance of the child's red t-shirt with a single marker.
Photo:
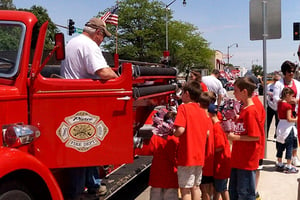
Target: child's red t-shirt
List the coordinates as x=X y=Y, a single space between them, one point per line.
x=163 y=171
x=246 y=154
x=208 y=168
x=191 y=148
x=262 y=118
x=282 y=109
x=204 y=87
x=221 y=158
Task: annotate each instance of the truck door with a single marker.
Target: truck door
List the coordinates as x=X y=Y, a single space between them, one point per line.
x=82 y=122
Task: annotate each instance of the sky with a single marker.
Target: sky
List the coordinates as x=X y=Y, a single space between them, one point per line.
x=221 y=22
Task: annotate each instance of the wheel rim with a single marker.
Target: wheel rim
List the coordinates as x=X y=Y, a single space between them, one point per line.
x=15 y=195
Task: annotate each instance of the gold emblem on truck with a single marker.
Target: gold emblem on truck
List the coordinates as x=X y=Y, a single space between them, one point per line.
x=82 y=131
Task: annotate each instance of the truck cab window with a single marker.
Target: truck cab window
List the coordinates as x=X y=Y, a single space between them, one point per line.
x=11 y=44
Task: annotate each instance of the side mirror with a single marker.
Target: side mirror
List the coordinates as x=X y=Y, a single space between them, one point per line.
x=60 y=46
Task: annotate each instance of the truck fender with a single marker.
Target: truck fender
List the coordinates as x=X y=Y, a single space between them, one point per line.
x=13 y=160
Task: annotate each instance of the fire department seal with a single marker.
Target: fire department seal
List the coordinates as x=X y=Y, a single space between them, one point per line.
x=82 y=131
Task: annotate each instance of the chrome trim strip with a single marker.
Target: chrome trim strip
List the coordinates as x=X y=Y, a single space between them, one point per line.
x=70 y=91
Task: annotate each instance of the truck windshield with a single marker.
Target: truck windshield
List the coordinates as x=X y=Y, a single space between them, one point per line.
x=11 y=44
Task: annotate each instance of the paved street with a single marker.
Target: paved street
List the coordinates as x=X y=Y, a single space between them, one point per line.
x=273 y=185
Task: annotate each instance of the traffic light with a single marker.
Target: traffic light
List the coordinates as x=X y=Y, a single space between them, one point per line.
x=296 y=31
x=71 y=27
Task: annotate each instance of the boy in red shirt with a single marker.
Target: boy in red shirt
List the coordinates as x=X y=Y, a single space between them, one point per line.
x=221 y=157
x=246 y=147
x=206 y=186
x=191 y=128
x=163 y=146
x=262 y=115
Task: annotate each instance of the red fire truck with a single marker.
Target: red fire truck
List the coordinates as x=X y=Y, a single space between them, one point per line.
x=51 y=123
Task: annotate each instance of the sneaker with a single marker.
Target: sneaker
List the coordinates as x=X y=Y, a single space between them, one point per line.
x=257 y=197
x=296 y=161
x=279 y=168
x=101 y=191
x=291 y=170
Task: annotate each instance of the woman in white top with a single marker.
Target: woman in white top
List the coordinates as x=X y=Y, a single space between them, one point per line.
x=288 y=69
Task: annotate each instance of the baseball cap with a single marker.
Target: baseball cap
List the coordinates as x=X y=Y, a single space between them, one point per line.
x=212 y=108
x=98 y=23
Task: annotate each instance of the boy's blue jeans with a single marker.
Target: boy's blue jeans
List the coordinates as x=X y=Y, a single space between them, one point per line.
x=242 y=184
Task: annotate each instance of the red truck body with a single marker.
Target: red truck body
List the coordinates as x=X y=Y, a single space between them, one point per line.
x=80 y=122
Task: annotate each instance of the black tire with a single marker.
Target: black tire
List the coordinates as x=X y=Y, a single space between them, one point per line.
x=14 y=190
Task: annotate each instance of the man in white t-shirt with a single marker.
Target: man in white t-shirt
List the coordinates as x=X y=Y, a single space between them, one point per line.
x=84 y=58
x=214 y=84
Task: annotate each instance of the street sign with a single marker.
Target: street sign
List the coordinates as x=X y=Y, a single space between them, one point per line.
x=273 y=19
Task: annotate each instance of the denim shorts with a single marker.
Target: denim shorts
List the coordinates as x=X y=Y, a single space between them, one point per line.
x=288 y=146
x=221 y=185
x=242 y=184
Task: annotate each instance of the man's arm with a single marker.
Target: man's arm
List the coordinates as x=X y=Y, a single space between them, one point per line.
x=219 y=99
x=220 y=93
x=277 y=92
x=106 y=73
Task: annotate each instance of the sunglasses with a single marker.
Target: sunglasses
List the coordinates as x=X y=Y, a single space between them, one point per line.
x=290 y=71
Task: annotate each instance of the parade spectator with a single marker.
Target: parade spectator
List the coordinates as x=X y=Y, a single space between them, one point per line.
x=163 y=147
x=206 y=186
x=271 y=105
x=191 y=128
x=286 y=131
x=262 y=118
x=84 y=59
x=194 y=75
x=214 y=84
x=245 y=143
x=222 y=156
x=288 y=70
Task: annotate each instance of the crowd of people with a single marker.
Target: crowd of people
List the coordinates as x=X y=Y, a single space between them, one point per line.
x=195 y=149
x=216 y=152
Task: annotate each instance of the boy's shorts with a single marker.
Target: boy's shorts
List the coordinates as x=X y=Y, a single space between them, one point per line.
x=207 y=179
x=189 y=176
x=163 y=193
x=221 y=185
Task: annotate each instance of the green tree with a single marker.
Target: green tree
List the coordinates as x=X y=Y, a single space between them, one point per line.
x=188 y=47
x=42 y=16
x=257 y=70
x=142 y=36
x=7 y=5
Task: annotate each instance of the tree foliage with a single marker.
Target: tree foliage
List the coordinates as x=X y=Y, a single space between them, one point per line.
x=257 y=70
x=7 y=5
x=142 y=36
x=42 y=16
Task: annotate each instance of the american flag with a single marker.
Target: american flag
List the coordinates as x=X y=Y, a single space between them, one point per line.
x=111 y=17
